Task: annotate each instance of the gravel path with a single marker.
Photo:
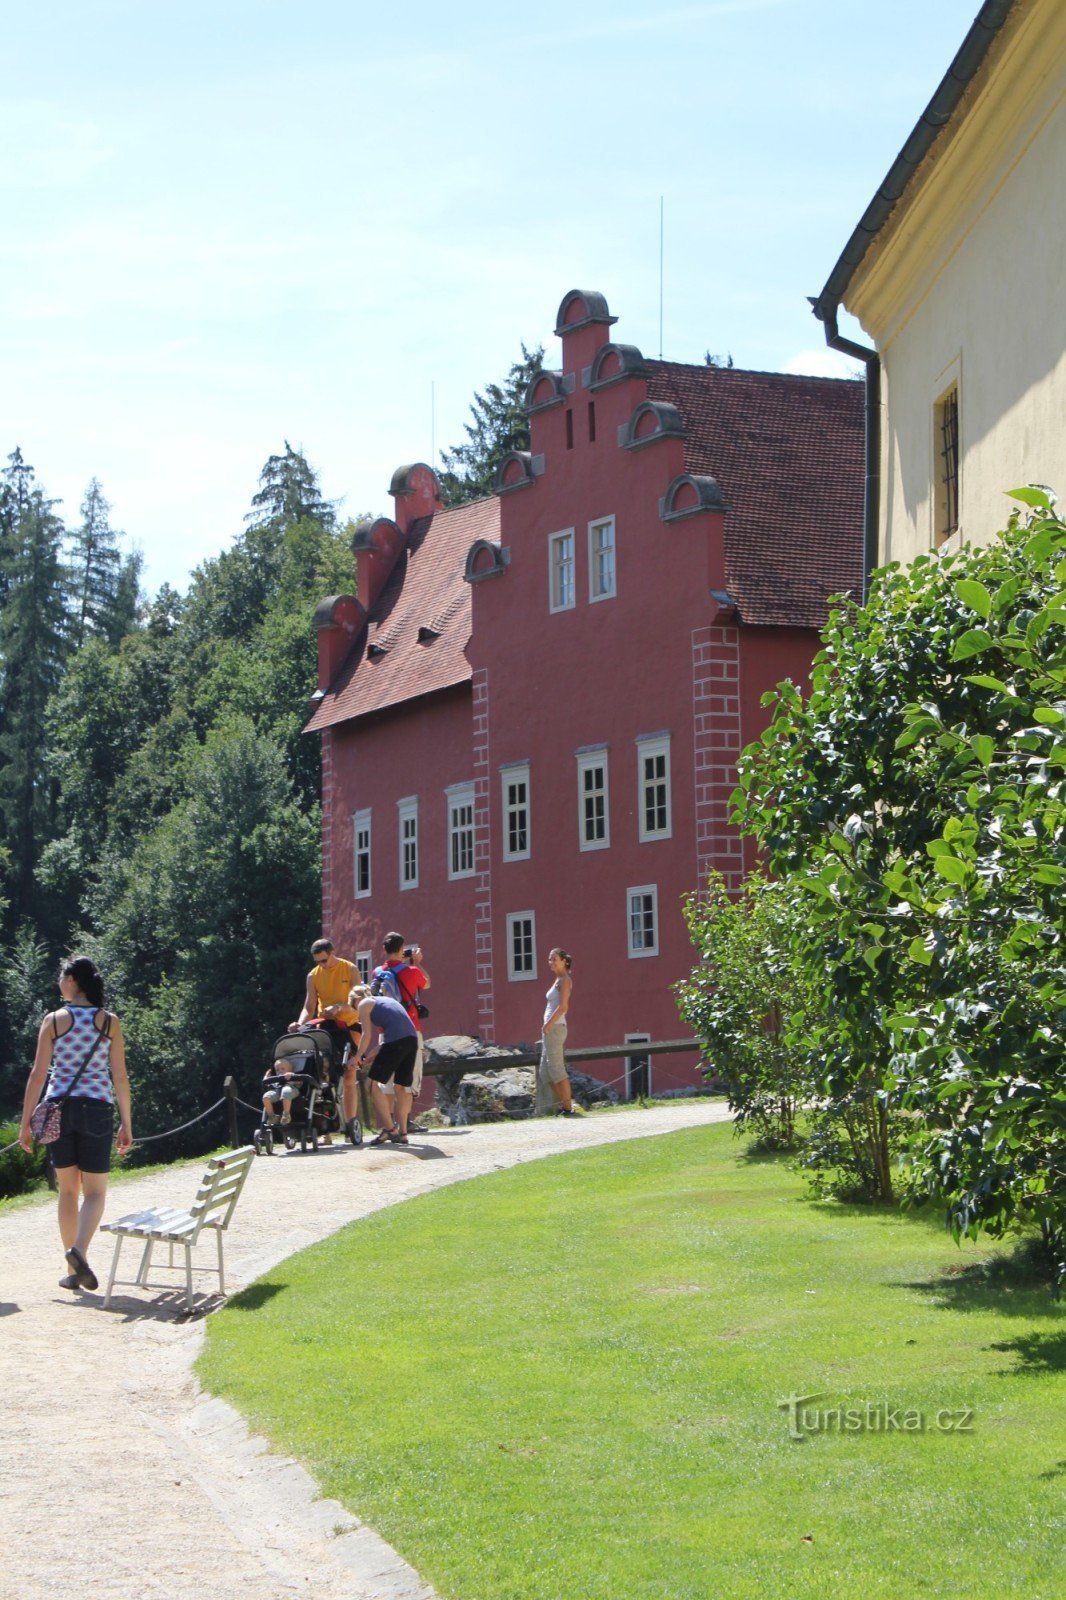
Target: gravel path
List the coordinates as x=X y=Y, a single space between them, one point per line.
x=164 y=1491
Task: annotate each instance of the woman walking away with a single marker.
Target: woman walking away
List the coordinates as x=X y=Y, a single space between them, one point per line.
x=553 y=1085
x=81 y=1051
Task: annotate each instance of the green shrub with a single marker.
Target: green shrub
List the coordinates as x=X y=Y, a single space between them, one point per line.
x=19 y=1172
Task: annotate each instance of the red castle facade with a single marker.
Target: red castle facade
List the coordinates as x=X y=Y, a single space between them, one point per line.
x=532 y=706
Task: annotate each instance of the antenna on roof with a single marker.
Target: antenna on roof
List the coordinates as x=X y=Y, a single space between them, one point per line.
x=660 y=277
x=432 y=424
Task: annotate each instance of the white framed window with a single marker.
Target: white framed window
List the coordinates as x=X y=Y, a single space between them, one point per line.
x=602 y=581
x=361 y=846
x=521 y=945
x=562 y=589
x=364 y=962
x=407 y=813
x=653 y=787
x=516 y=816
x=642 y=906
x=593 y=805
x=461 y=831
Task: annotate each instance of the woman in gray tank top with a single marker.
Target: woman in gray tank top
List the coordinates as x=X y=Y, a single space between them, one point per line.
x=553 y=1085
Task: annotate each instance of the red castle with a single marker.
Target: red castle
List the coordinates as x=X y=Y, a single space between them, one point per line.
x=532 y=706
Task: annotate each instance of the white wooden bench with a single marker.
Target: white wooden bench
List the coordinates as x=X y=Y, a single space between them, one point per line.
x=213 y=1207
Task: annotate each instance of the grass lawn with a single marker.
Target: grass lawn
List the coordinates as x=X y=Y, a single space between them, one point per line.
x=576 y=1368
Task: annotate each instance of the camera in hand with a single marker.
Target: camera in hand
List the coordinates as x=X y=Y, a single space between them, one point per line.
x=409 y=951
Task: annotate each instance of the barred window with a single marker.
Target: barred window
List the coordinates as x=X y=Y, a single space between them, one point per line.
x=946 y=430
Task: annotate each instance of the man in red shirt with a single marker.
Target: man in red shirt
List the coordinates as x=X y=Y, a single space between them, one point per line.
x=410 y=977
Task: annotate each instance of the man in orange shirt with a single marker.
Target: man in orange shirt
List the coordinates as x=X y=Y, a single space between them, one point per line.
x=328 y=984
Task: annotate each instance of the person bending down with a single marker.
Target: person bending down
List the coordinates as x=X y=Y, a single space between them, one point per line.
x=394 y=1058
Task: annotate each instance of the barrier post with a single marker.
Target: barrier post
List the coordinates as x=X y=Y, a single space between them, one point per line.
x=229 y=1089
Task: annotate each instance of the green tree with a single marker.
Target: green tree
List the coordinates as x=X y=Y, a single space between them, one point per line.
x=103 y=594
x=498 y=424
x=915 y=805
x=205 y=938
x=33 y=648
x=289 y=493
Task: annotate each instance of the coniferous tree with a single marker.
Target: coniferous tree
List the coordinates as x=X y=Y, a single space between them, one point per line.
x=104 y=586
x=34 y=644
x=16 y=486
x=289 y=493
x=499 y=424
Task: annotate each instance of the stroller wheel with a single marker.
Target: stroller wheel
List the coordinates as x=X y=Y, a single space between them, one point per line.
x=268 y=1141
x=354 y=1130
x=258 y=1141
x=303 y=1141
x=290 y=1142
x=314 y=1140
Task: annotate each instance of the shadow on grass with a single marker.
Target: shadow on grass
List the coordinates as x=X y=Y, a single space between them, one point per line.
x=1014 y=1285
x=1037 y=1353
x=256 y=1295
x=1057 y=1471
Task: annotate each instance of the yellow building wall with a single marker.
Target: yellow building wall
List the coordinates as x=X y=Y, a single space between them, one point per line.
x=967 y=284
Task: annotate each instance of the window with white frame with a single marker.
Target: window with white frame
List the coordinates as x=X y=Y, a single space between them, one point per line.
x=593 y=814
x=562 y=588
x=643 y=914
x=461 y=831
x=653 y=780
x=515 y=787
x=521 y=945
x=407 y=812
x=364 y=961
x=601 y=559
x=361 y=844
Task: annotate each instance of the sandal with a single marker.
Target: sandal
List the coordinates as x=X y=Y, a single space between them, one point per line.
x=81 y=1269
x=399 y=1138
x=384 y=1137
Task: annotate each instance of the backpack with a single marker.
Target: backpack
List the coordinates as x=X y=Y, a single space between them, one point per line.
x=386 y=982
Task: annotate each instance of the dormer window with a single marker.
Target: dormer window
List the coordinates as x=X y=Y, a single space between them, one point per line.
x=427 y=635
x=374 y=652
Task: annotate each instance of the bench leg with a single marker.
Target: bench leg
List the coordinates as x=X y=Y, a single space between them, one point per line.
x=146 y=1262
x=221 y=1274
x=114 y=1269
x=188 y=1276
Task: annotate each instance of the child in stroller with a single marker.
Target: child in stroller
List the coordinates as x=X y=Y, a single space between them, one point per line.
x=304 y=1075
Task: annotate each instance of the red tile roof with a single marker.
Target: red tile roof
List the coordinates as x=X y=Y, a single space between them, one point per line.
x=787 y=453
x=425 y=590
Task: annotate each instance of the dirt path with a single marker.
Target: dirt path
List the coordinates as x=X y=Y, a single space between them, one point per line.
x=118 y=1472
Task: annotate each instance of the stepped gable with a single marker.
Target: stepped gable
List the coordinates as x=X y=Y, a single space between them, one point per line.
x=389 y=662
x=787 y=453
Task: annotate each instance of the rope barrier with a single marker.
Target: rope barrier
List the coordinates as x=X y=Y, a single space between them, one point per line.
x=150 y=1138
x=8 y=1147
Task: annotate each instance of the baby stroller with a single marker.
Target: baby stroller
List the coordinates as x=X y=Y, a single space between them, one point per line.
x=317 y=1062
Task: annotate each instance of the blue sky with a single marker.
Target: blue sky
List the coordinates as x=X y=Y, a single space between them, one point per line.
x=229 y=224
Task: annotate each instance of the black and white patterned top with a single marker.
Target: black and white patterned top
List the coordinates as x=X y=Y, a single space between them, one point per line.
x=70 y=1050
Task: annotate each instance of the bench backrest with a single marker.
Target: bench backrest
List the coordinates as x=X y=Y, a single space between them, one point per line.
x=220 y=1188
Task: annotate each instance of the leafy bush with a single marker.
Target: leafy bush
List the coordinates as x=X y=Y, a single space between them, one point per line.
x=19 y=1172
x=915 y=806
x=740 y=1000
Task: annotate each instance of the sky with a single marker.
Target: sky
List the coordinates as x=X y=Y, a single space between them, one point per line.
x=236 y=223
